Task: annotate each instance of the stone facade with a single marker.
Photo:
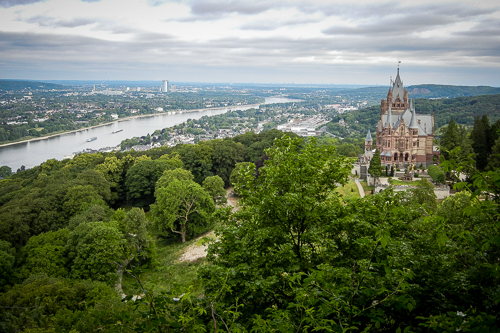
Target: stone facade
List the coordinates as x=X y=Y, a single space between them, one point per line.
x=403 y=137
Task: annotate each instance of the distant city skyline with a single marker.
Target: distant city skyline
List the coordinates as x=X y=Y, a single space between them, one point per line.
x=271 y=41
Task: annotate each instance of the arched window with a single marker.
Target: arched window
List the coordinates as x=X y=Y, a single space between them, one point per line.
x=395 y=156
x=406 y=157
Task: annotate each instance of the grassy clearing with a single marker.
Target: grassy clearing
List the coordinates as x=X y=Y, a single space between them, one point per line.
x=368 y=189
x=350 y=190
x=168 y=272
x=402 y=182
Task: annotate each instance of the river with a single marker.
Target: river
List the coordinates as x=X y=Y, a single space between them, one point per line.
x=33 y=153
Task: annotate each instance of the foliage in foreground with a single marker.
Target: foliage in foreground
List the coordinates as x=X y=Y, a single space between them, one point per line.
x=294 y=258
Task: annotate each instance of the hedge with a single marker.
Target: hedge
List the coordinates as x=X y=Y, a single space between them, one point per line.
x=436 y=174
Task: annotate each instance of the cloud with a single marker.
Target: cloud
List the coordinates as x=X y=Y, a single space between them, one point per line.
x=217 y=7
x=12 y=3
x=46 y=21
x=408 y=21
x=100 y=24
x=486 y=28
x=271 y=37
x=269 y=25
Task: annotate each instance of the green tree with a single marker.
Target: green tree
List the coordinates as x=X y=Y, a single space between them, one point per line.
x=349 y=150
x=48 y=304
x=183 y=207
x=141 y=178
x=450 y=139
x=455 y=136
x=7 y=261
x=45 y=253
x=375 y=168
x=279 y=227
x=494 y=159
x=237 y=175
x=171 y=175
x=480 y=137
x=197 y=159
x=214 y=186
x=436 y=174
x=94 y=248
x=5 y=171
x=138 y=246
x=423 y=196
x=226 y=154
x=79 y=198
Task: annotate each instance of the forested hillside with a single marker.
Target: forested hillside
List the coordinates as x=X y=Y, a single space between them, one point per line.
x=81 y=243
x=462 y=109
x=447 y=91
x=8 y=85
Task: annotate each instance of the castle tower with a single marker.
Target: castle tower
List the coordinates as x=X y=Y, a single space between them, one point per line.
x=368 y=141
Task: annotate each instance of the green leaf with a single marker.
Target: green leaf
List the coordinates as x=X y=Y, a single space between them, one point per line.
x=410 y=307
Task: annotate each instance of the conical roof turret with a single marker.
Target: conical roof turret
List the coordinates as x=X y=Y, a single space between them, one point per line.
x=413 y=121
x=369 y=136
x=389 y=116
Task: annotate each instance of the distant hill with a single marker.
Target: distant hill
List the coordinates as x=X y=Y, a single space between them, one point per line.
x=444 y=91
x=462 y=109
x=422 y=91
x=18 y=85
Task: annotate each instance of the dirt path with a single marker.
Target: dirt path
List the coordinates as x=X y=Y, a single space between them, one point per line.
x=195 y=251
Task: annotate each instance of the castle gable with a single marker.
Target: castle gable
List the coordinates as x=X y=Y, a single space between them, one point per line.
x=398 y=89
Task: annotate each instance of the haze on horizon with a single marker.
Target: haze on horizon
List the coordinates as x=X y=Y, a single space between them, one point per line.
x=259 y=41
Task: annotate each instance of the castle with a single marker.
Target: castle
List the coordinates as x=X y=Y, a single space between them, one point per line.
x=404 y=138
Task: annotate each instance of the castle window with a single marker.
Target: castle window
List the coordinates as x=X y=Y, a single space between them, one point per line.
x=418 y=141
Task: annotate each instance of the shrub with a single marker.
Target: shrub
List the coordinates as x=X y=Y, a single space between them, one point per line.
x=415 y=175
x=436 y=174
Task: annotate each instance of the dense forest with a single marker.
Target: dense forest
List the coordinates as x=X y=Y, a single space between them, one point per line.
x=19 y=85
x=463 y=109
x=81 y=241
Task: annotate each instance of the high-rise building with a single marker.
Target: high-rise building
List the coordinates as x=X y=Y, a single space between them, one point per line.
x=164 y=86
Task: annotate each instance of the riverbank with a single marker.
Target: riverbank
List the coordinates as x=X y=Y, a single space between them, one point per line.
x=120 y=120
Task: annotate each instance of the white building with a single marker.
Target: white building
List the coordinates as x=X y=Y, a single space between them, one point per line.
x=164 y=86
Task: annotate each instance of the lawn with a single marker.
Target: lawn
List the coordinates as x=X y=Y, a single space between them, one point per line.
x=368 y=189
x=168 y=273
x=402 y=182
x=350 y=190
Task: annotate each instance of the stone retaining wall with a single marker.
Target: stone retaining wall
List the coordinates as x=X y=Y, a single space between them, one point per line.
x=441 y=192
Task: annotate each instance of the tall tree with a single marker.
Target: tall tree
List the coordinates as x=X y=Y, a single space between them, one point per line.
x=215 y=187
x=480 y=141
x=279 y=227
x=455 y=136
x=171 y=175
x=183 y=207
x=450 y=139
x=494 y=159
x=93 y=248
x=375 y=168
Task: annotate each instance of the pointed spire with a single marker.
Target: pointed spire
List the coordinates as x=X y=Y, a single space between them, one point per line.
x=413 y=121
x=389 y=116
x=369 y=136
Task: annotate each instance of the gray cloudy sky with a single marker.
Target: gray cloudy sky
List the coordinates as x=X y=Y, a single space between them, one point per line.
x=261 y=41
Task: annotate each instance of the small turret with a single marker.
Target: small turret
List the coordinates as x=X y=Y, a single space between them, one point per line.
x=413 y=121
x=368 y=141
x=389 y=117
